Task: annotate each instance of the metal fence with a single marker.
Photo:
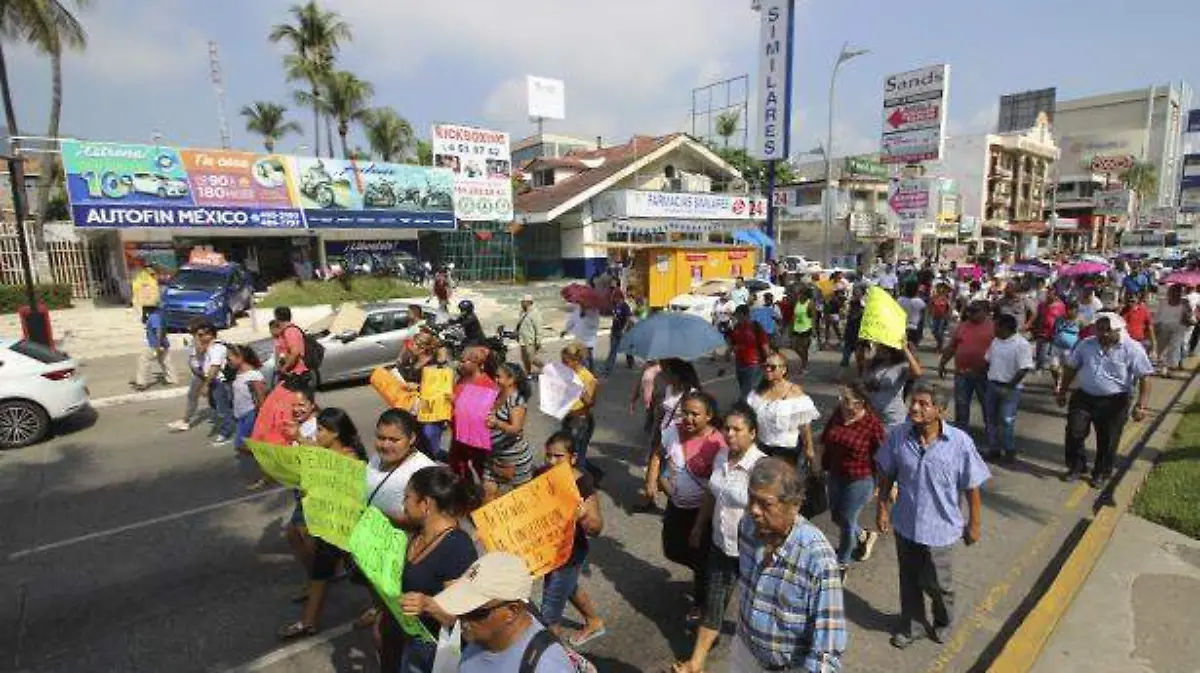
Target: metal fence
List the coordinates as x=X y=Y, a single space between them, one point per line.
x=73 y=260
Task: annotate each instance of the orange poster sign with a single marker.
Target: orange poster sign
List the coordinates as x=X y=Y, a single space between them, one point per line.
x=392 y=389
x=535 y=521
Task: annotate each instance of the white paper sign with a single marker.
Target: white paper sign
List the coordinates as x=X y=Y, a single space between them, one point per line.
x=558 y=390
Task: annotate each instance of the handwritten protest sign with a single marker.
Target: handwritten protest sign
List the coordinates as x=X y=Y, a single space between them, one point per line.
x=379 y=550
x=535 y=521
x=281 y=463
x=391 y=388
x=472 y=406
x=558 y=390
x=333 y=487
x=437 y=387
x=883 y=320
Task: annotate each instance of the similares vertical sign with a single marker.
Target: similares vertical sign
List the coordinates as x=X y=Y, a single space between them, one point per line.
x=775 y=48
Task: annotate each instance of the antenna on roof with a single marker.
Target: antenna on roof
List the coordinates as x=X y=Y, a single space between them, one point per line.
x=214 y=70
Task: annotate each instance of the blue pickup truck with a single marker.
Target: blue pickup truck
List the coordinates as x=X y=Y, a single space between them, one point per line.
x=215 y=293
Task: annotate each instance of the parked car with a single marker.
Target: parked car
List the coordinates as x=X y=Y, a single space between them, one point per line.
x=215 y=293
x=703 y=298
x=357 y=339
x=37 y=386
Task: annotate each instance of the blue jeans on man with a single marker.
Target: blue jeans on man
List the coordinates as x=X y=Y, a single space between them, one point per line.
x=221 y=395
x=938 y=327
x=1001 y=417
x=748 y=378
x=846 y=501
x=614 y=346
x=969 y=385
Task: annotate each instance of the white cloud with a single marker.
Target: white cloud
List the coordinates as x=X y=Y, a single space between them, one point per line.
x=983 y=120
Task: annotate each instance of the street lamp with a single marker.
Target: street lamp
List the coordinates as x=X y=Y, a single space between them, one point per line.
x=845 y=55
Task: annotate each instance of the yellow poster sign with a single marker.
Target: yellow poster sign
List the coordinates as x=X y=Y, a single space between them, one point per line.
x=391 y=388
x=333 y=487
x=535 y=521
x=281 y=463
x=437 y=392
x=883 y=319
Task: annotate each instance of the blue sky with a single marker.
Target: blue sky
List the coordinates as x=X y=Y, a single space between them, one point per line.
x=629 y=65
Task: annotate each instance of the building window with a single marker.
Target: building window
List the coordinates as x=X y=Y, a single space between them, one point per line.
x=543 y=178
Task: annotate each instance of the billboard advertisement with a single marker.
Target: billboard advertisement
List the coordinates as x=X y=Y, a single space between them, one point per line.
x=547 y=97
x=482 y=167
x=775 y=45
x=343 y=194
x=1189 y=184
x=114 y=185
x=914 y=115
x=1193 y=121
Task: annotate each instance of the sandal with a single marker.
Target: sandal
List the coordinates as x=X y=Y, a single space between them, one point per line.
x=580 y=639
x=296 y=630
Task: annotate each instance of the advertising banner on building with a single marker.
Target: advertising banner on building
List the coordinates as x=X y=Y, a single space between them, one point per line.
x=909 y=198
x=482 y=167
x=1112 y=202
x=341 y=194
x=1193 y=121
x=1189 y=184
x=774 y=102
x=638 y=203
x=115 y=186
x=914 y=115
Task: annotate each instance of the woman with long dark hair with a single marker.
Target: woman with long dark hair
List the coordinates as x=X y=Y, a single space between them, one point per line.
x=510 y=463
x=439 y=552
x=680 y=379
x=335 y=432
x=849 y=443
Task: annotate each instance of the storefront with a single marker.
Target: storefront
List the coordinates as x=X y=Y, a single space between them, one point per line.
x=660 y=271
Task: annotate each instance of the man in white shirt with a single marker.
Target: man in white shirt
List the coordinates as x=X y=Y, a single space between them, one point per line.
x=888 y=279
x=914 y=311
x=1010 y=359
x=740 y=294
x=583 y=324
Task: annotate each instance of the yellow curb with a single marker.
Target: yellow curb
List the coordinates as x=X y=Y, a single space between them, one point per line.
x=1023 y=649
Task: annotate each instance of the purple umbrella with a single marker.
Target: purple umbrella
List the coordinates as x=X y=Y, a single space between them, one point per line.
x=1030 y=267
x=1084 y=269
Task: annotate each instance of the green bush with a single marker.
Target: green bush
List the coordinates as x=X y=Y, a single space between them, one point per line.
x=1171 y=494
x=55 y=295
x=357 y=289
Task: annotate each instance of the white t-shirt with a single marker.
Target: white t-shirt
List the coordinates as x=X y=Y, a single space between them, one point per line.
x=730 y=487
x=1088 y=310
x=1008 y=356
x=390 y=496
x=913 y=308
x=740 y=295
x=214 y=355
x=779 y=421
x=243 y=397
x=308 y=432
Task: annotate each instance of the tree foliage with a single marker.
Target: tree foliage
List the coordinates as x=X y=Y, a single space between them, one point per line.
x=269 y=120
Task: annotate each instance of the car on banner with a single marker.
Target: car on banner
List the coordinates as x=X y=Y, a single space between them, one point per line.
x=37 y=387
x=217 y=293
x=701 y=301
x=158 y=185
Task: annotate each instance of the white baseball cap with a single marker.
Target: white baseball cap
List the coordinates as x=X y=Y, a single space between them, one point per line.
x=1115 y=322
x=496 y=576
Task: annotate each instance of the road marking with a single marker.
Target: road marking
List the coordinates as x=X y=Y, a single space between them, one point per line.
x=141 y=524
x=288 y=651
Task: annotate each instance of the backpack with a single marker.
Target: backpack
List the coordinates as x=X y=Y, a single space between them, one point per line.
x=541 y=641
x=314 y=352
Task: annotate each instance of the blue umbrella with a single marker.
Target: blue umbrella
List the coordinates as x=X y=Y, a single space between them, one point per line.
x=671 y=334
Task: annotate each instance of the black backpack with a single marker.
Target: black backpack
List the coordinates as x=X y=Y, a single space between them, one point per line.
x=314 y=352
x=541 y=641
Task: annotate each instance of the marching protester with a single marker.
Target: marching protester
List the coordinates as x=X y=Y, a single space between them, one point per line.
x=398 y=455
x=849 y=444
x=784 y=413
x=749 y=343
x=214 y=386
x=1010 y=359
x=1049 y=311
x=201 y=370
x=940 y=309
x=1139 y=323
x=1173 y=327
x=723 y=321
x=579 y=422
x=529 y=333
x=914 y=313
x=622 y=320
x=1108 y=365
x=477 y=367
x=510 y=462
x=249 y=390
x=290 y=350
x=723 y=509
x=886 y=374
x=644 y=390
x=335 y=432
x=935 y=465
x=1017 y=305
x=156 y=352
x=791 y=614
x=767 y=315
x=562 y=583
x=804 y=323
x=1066 y=335
x=689 y=448
x=679 y=379
x=968 y=348
x=439 y=554
x=583 y=324
x=854 y=313
x=426 y=354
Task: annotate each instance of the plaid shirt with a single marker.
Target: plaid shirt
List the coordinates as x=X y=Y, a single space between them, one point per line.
x=850 y=449
x=791 y=615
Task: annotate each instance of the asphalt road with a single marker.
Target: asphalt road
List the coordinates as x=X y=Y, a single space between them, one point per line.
x=125 y=548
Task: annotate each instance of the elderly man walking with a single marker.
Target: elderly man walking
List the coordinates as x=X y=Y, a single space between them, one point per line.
x=935 y=465
x=529 y=333
x=1108 y=366
x=791 y=615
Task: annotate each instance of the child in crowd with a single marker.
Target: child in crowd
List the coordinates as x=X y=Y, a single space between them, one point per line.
x=249 y=391
x=563 y=583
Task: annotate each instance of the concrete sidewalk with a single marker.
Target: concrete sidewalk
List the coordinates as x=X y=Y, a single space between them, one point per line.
x=1137 y=611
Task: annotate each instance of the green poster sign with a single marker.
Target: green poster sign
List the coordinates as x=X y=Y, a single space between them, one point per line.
x=333 y=487
x=379 y=550
x=281 y=463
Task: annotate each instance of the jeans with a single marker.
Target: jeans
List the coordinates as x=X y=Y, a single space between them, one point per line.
x=580 y=428
x=938 y=327
x=1041 y=354
x=846 y=501
x=1107 y=414
x=560 y=585
x=244 y=426
x=614 y=344
x=1001 y=416
x=967 y=386
x=748 y=378
x=193 y=397
x=221 y=396
x=849 y=344
x=433 y=439
x=924 y=571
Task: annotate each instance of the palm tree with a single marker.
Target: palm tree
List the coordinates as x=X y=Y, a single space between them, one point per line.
x=267 y=120
x=314 y=39
x=1142 y=179
x=424 y=153
x=727 y=124
x=389 y=134
x=49 y=26
x=346 y=99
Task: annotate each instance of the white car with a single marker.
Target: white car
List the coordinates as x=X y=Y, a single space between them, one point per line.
x=37 y=386
x=702 y=299
x=800 y=264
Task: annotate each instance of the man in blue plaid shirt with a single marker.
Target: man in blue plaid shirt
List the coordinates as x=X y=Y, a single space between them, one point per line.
x=791 y=616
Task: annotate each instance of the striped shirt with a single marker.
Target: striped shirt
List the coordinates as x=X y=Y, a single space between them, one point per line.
x=511 y=450
x=791 y=615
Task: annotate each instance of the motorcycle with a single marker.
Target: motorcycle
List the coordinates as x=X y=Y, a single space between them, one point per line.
x=453 y=337
x=317 y=185
x=380 y=193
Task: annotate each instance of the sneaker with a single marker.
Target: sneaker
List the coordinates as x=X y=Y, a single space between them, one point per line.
x=1072 y=476
x=939 y=634
x=179 y=426
x=866 y=545
x=221 y=441
x=901 y=641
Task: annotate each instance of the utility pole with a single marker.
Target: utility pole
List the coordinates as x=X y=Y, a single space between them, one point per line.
x=35 y=321
x=218 y=82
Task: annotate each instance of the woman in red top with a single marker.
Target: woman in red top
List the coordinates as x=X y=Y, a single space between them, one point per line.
x=850 y=441
x=939 y=314
x=1139 y=325
x=750 y=344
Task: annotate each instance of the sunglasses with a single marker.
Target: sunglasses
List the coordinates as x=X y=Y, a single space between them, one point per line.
x=480 y=614
x=772 y=367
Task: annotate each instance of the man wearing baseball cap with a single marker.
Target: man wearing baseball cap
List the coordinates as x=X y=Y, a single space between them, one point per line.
x=1108 y=365
x=529 y=333
x=491 y=600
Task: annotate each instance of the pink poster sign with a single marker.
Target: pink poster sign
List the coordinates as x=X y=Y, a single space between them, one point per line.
x=472 y=406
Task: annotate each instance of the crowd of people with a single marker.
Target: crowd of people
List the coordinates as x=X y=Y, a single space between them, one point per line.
x=737 y=479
